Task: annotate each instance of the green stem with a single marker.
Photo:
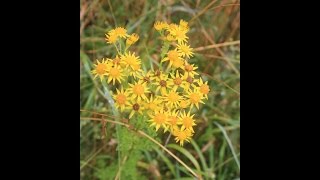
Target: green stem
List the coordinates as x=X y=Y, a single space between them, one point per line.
x=117 y=48
x=117 y=118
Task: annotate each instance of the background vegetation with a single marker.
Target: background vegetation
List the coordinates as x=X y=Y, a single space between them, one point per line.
x=214 y=34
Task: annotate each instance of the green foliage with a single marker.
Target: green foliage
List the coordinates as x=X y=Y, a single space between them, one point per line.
x=131 y=147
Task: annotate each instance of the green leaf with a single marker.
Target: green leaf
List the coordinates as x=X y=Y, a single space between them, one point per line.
x=166 y=160
x=203 y=161
x=186 y=153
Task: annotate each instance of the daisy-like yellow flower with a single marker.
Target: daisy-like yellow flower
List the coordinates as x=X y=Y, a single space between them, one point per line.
x=179 y=34
x=189 y=69
x=120 y=32
x=121 y=99
x=111 y=38
x=172 y=99
x=159 y=25
x=176 y=80
x=204 y=88
x=162 y=84
x=185 y=50
x=194 y=97
x=153 y=104
x=159 y=119
x=132 y=39
x=130 y=60
x=135 y=106
x=184 y=25
x=173 y=120
x=187 y=121
x=182 y=135
x=115 y=73
x=171 y=27
x=138 y=90
x=174 y=58
x=101 y=68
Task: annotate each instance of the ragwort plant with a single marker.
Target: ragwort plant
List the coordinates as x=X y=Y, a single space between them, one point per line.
x=167 y=95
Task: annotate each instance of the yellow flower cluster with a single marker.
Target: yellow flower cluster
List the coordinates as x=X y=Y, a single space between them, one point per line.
x=166 y=95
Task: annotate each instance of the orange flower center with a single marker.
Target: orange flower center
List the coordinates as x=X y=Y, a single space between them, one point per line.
x=188 y=67
x=187 y=122
x=136 y=107
x=101 y=68
x=177 y=81
x=114 y=72
x=138 y=89
x=160 y=118
x=121 y=99
x=194 y=97
x=163 y=83
x=204 y=89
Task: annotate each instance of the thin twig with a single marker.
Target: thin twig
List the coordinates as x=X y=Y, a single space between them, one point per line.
x=225 y=84
x=216 y=45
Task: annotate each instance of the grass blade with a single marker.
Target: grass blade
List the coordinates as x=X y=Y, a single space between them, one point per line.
x=186 y=153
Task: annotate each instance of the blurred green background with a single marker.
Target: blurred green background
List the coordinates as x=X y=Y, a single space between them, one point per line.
x=214 y=33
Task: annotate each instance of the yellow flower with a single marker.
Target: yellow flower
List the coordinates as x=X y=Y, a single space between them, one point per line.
x=121 y=99
x=120 y=32
x=101 y=68
x=159 y=119
x=194 y=97
x=159 y=25
x=174 y=58
x=135 y=107
x=138 y=90
x=132 y=39
x=179 y=34
x=130 y=60
x=184 y=25
x=185 y=50
x=189 y=70
x=162 y=83
x=171 y=27
x=176 y=80
x=187 y=121
x=182 y=135
x=111 y=38
x=172 y=99
x=115 y=73
x=153 y=104
x=203 y=88
x=173 y=120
